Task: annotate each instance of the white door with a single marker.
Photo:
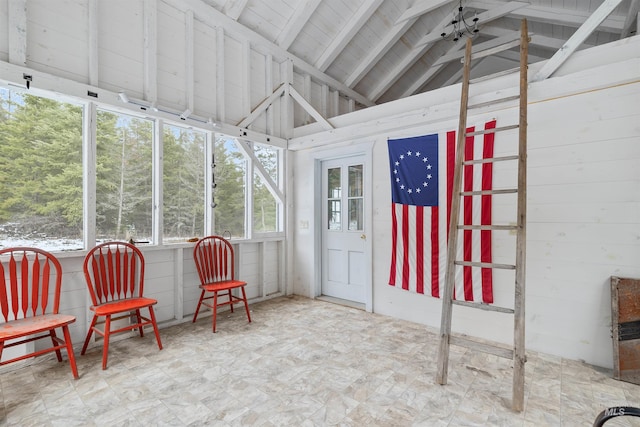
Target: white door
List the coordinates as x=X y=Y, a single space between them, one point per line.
x=344 y=257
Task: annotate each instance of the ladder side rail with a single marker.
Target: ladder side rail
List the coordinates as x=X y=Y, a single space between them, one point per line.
x=447 y=297
x=519 y=358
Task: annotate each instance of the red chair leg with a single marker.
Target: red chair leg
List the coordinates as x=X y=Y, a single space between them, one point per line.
x=246 y=306
x=215 y=309
x=54 y=341
x=86 y=341
x=139 y=319
x=155 y=326
x=105 y=345
x=72 y=357
x=195 y=316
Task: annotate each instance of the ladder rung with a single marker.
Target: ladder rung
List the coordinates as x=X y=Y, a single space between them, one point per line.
x=488 y=227
x=490 y=160
x=483 y=306
x=497 y=49
x=488 y=192
x=494 y=130
x=494 y=75
x=485 y=265
x=494 y=101
x=485 y=348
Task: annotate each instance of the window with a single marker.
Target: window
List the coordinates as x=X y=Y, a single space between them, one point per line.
x=40 y=172
x=124 y=189
x=229 y=187
x=42 y=178
x=266 y=209
x=183 y=184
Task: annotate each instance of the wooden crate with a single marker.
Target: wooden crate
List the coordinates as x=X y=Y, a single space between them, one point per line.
x=625 y=327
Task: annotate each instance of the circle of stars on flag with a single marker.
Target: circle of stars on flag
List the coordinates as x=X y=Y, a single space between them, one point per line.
x=409 y=156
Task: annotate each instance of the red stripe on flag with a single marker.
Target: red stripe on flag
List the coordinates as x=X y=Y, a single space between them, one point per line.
x=405 y=247
x=394 y=243
x=420 y=249
x=486 y=214
x=468 y=216
x=435 y=252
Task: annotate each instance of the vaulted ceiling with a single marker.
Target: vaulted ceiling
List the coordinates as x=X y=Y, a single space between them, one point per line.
x=389 y=49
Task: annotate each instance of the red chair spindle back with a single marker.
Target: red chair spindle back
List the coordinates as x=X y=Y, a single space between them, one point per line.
x=214 y=259
x=116 y=272
x=26 y=282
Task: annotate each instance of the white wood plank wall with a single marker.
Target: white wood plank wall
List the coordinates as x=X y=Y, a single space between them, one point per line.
x=583 y=219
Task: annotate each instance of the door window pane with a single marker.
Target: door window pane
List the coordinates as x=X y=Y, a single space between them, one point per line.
x=124 y=178
x=356 y=200
x=334 y=202
x=335 y=213
x=40 y=172
x=355 y=181
x=183 y=184
x=355 y=215
x=333 y=177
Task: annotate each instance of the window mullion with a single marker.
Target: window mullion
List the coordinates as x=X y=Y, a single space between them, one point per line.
x=89 y=147
x=157 y=168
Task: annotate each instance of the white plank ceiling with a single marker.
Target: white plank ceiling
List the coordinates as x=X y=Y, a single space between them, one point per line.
x=389 y=49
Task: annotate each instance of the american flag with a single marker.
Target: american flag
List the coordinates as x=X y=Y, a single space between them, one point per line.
x=422 y=171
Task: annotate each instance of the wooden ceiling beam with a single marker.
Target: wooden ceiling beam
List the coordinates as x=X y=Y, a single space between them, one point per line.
x=297 y=21
x=576 y=39
x=632 y=17
x=378 y=51
x=420 y=8
x=233 y=8
x=554 y=15
x=354 y=24
x=399 y=70
x=217 y=19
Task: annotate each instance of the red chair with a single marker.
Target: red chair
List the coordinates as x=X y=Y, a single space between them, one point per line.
x=214 y=260
x=114 y=272
x=31 y=276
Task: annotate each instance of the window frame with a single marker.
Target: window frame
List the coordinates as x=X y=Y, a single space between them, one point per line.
x=159 y=119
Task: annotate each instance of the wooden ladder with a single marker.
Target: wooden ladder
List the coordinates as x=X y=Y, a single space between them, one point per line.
x=517 y=354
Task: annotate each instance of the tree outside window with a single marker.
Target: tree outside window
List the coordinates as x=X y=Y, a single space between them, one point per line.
x=40 y=172
x=124 y=189
x=229 y=191
x=265 y=206
x=183 y=184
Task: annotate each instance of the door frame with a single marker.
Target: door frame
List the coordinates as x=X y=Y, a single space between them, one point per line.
x=365 y=150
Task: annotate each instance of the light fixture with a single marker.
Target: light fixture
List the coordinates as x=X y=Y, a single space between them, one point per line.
x=123 y=97
x=460 y=26
x=186 y=113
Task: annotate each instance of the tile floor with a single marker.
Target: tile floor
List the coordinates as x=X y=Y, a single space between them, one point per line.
x=302 y=363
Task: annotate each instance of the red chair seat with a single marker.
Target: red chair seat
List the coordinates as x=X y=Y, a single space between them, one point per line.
x=120 y=306
x=222 y=286
x=33 y=325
